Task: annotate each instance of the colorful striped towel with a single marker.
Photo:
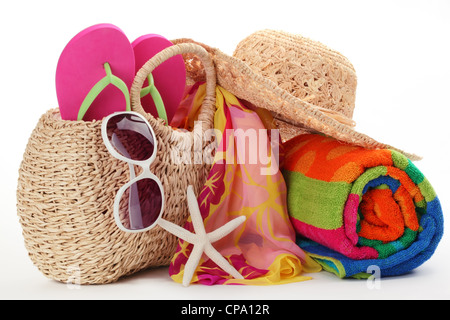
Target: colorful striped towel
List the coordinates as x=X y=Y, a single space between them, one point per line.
x=355 y=208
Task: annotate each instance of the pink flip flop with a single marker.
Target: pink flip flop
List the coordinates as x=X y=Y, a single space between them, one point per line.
x=169 y=77
x=94 y=74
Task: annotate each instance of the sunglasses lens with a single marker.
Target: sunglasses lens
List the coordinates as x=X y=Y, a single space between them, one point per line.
x=131 y=136
x=140 y=205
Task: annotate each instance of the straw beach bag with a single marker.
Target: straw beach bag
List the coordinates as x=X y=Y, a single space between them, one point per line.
x=68 y=182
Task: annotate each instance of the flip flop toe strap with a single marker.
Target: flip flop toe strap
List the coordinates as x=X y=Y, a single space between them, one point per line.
x=153 y=91
x=100 y=86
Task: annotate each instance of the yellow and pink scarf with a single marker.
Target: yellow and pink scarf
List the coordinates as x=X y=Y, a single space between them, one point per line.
x=263 y=248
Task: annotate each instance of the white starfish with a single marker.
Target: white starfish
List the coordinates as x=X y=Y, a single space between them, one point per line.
x=201 y=240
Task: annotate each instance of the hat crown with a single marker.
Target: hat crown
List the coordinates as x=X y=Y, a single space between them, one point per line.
x=305 y=68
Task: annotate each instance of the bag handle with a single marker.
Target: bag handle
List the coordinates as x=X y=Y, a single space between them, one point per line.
x=206 y=115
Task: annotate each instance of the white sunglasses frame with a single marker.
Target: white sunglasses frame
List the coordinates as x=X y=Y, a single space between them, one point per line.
x=144 y=164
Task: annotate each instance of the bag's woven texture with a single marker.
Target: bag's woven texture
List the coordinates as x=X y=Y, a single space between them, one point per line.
x=68 y=182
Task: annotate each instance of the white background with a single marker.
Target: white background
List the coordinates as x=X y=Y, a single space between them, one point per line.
x=400 y=50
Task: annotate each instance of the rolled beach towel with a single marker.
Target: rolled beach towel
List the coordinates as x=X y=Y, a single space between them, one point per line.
x=355 y=208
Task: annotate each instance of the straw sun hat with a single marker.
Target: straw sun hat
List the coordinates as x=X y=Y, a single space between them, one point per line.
x=307 y=87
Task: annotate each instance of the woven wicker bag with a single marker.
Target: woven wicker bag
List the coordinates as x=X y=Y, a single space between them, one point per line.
x=68 y=181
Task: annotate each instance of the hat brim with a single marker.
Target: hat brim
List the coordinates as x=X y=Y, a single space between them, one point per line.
x=292 y=115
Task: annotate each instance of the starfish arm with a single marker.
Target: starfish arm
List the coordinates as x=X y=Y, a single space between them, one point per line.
x=223 y=263
x=192 y=263
x=194 y=210
x=177 y=231
x=225 y=229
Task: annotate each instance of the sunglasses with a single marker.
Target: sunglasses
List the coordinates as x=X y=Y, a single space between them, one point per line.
x=139 y=204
